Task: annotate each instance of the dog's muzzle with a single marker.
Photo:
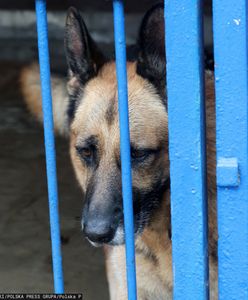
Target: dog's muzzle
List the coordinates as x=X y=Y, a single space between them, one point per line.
x=100 y=227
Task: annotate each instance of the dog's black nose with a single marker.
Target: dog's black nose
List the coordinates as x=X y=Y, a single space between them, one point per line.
x=102 y=215
x=99 y=231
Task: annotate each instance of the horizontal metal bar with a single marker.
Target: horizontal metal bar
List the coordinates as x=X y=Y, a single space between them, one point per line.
x=49 y=144
x=187 y=148
x=121 y=70
x=231 y=82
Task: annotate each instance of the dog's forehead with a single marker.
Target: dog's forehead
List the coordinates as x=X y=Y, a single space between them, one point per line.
x=98 y=109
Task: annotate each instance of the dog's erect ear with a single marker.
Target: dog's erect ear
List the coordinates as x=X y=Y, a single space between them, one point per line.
x=83 y=57
x=151 y=62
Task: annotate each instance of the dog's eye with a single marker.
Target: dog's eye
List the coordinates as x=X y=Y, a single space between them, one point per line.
x=85 y=153
x=140 y=155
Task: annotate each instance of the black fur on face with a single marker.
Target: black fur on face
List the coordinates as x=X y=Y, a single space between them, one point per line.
x=146 y=202
x=145 y=205
x=151 y=63
x=84 y=59
x=109 y=207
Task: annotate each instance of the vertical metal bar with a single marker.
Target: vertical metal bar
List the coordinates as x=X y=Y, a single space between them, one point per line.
x=121 y=70
x=49 y=143
x=231 y=80
x=187 y=148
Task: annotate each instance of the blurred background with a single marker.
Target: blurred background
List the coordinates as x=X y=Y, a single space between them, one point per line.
x=25 y=250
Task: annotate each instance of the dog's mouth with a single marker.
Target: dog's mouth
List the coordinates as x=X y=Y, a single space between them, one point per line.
x=141 y=220
x=94 y=244
x=145 y=205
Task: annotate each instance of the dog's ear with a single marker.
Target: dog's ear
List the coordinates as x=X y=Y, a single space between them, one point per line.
x=83 y=57
x=151 y=62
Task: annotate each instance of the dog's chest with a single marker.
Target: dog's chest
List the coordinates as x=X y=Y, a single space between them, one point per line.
x=154 y=269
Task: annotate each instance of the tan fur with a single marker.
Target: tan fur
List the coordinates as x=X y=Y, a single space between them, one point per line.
x=154 y=277
x=30 y=87
x=97 y=96
x=148 y=128
x=154 y=281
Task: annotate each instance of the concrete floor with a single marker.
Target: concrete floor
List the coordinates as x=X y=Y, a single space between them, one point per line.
x=25 y=253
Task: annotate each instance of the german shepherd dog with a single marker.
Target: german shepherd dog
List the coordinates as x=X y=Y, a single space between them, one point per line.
x=86 y=109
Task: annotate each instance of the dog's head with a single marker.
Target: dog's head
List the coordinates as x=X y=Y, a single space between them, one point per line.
x=94 y=131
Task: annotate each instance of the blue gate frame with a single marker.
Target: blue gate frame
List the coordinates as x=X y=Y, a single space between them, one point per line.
x=231 y=84
x=185 y=86
x=186 y=118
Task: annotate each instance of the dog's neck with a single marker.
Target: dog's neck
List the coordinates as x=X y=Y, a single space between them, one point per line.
x=154 y=244
x=160 y=222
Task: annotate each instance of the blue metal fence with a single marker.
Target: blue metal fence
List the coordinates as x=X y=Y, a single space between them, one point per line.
x=41 y=14
x=121 y=71
x=185 y=86
x=184 y=46
x=231 y=80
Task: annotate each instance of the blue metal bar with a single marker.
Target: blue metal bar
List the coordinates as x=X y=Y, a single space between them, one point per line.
x=187 y=148
x=49 y=143
x=231 y=80
x=121 y=70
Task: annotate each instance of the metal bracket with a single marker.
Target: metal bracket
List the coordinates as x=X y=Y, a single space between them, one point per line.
x=228 y=172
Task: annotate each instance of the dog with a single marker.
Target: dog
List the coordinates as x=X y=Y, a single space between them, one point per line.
x=86 y=110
